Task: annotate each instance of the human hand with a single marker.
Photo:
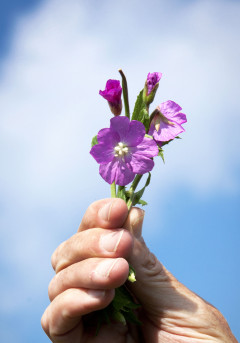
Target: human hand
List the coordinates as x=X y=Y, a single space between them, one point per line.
x=93 y=262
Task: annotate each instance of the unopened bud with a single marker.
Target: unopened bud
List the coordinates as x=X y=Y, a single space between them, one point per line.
x=116 y=108
x=151 y=86
x=112 y=94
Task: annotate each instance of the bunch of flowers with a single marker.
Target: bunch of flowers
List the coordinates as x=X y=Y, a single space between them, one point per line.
x=125 y=152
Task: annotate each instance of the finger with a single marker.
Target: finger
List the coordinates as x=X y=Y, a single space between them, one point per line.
x=107 y=214
x=93 y=273
x=92 y=243
x=67 y=309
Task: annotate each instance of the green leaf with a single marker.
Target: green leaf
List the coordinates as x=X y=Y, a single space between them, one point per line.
x=140 y=112
x=142 y=202
x=119 y=317
x=122 y=193
x=121 y=309
x=138 y=195
x=123 y=301
x=94 y=141
x=160 y=153
x=131 y=317
x=144 y=118
x=165 y=143
x=139 y=105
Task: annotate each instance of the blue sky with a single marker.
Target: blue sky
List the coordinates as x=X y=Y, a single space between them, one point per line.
x=54 y=57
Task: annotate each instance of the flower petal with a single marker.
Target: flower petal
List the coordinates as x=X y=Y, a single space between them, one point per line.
x=112 y=92
x=108 y=137
x=135 y=134
x=124 y=173
x=102 y=153
x=121 y=126
x=113 y=84
x=152 y=80
x=170 y=110
x=167 y=131
x=180 y=118
x=147 y=148
x=108 y=171
x=117 y=171
x=141 y=164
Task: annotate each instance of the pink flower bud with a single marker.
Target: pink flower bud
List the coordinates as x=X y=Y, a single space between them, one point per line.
x=112 y=94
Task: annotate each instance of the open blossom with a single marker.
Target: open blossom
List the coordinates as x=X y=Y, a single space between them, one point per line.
x=123 y=151
x=167 y=122
x=112 y=94
x=152 y=80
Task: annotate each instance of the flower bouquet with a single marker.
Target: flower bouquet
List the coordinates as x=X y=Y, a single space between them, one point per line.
x=125 y=152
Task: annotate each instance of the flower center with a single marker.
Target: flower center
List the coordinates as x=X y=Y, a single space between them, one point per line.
x=158 y=119
x=120 y=150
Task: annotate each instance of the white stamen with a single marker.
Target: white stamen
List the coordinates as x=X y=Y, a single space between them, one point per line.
x=120 y=150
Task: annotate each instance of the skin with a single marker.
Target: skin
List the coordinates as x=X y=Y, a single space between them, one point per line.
x=93 y=262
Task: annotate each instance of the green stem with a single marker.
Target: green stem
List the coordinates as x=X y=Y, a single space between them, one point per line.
x=113 y=190
x=120 y=188
x=132 y=189
x=125 y=93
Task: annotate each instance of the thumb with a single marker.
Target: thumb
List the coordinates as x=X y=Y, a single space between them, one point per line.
x=154 y=282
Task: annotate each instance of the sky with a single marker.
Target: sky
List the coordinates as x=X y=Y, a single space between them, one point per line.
x=55 y=56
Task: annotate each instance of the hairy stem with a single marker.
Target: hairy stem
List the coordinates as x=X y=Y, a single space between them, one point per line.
x=132 y=189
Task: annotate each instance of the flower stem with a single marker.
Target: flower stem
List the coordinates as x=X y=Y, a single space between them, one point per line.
x=125 y=93
x=113 y=190
x=132 y=189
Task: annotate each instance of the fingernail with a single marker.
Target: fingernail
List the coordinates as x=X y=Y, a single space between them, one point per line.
x=137 y=223
x=110 y=241
x=104 y=268
x=134 y=222
x=96 y=293
x=105 y=211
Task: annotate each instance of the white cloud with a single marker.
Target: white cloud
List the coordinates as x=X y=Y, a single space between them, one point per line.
x=62 y=55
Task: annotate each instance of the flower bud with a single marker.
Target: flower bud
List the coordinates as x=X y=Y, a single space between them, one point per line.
x=116 y=108
x=151 y=86
x=112 y=94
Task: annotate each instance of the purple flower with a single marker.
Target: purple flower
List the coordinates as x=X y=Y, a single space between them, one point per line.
x=152 y=80
x=112 y=94
x=123 y=151
x=167 y=122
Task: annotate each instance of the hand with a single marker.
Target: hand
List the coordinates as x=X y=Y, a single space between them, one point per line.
x=93 y=262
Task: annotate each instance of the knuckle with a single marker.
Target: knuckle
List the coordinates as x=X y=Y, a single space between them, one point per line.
x=58 y=283
x=151 y=264
x=53 y=260
x=55 y=256
x=44 y=322
x=51 y=289
x=59 y=258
